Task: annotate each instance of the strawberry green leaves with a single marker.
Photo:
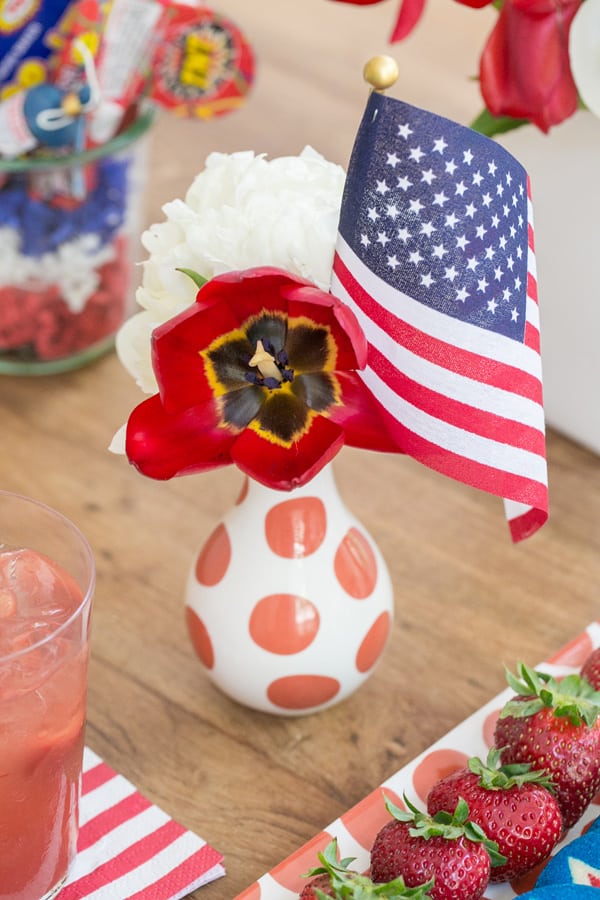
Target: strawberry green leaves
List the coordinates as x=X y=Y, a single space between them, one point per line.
x=450 y=826
x=573 y=697
x=345 y=884
x=494 y=776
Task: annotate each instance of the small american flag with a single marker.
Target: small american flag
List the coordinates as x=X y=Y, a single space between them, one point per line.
x=435 y=256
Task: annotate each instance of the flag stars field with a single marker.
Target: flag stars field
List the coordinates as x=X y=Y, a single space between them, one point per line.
x=432 y=194
x=448 y=301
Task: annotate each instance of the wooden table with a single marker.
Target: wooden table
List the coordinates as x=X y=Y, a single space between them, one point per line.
x=467 y=599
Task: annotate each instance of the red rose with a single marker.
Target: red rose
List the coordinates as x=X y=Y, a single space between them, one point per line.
x=524 y=69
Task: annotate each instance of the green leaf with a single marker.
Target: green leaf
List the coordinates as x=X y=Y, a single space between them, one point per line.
x=198 y=280
x=490 y=125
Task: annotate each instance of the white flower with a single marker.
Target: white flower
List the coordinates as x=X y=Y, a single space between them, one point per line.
x=584 y=53
x=241 y=211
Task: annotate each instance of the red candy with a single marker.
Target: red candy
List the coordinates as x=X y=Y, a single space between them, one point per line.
x=37 y=324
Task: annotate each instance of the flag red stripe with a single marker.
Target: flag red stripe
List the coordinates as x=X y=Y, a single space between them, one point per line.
x=181 y=877
x=95 y=777
x=454 y=359
x=454 y=412
x=110 y=818
x=532 y=338
x=130 y=858
x=526 y=524
x=532 y=288
x=479 y=475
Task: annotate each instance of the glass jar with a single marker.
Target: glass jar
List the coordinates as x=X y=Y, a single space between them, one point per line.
x=69 y=230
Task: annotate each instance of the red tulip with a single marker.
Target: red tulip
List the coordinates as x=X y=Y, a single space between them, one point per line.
x=524 y=69
x=260 y=372
x=475 y=4
x=408 y=15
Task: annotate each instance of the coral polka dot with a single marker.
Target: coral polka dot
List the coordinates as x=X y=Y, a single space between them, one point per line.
x=214 y=558
x=289 y=872
x=284 y=623
x=489 y=727
x=434 y=766
x=365 y=819
x=302 y=691
x=243 y=493
x=355 y=565
x=372 y=646
x=296 y=528
x=575 y=652
x=200 y=638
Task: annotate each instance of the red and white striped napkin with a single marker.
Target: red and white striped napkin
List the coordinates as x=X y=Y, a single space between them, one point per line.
x=129 y=849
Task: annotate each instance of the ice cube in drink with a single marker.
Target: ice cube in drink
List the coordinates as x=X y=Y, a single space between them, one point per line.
x=44 y=630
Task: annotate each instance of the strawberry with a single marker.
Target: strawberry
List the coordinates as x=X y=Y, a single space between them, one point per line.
x=446 y=847
x=512 y=804
x=591 y=669
x=333 y=878
x=554 y=725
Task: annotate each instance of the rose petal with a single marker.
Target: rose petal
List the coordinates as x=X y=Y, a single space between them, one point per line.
x=536 y=85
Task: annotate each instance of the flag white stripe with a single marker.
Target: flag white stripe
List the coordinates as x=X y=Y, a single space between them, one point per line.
x=119 y=839
x=150 y=871
x=471 y=446
x=437 y=378
x=533 y=313
x=514 y=509
x=444 y=328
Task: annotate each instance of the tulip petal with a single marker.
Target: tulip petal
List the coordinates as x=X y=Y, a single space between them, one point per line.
x=325 y=309
x=283 y=418
x=361 y=416
x=285 y=468
x=319 y=390
x=263 y=288
x=162 y=446
x=227 y=364
x=238 y=408
x=269 y=326
x=310 y=348
x=408 y=17
x=176 y=353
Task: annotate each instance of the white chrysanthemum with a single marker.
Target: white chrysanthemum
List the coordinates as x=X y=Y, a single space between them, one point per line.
x=584 y=53
x=241 y=211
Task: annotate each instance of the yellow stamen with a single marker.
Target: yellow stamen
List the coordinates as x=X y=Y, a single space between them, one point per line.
x=265 y=363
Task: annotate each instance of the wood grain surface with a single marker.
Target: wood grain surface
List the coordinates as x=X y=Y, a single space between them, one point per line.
x=467 y=600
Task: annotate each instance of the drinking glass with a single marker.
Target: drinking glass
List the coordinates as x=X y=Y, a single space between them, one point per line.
x=47 y=577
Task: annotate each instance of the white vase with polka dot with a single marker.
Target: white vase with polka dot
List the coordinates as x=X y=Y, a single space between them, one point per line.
x=289 y=603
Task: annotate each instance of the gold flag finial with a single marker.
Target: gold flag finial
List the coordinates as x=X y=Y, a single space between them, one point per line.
x=381 y=72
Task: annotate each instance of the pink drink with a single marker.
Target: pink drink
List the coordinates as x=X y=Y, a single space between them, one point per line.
x=44 y=641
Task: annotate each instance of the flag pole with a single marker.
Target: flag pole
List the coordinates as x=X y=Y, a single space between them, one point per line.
x=381 y=72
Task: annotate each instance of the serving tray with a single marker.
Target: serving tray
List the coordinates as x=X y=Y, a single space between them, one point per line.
x=355 y=830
